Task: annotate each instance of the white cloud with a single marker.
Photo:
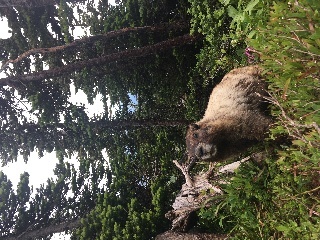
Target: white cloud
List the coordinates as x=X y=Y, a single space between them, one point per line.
x=40 y=169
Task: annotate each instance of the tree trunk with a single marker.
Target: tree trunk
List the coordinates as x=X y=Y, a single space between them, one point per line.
x=103 y=124
x=78 y=44
x=32 y=3
x=37 y=233
x=78 y=66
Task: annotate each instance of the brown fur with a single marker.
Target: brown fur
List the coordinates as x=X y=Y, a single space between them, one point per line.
x=236 y=117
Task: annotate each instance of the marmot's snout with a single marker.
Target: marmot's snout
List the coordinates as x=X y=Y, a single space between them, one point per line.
x=205 y=151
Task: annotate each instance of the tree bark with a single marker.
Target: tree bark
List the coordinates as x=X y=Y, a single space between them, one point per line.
x=78 y=66
x=37 y=233
x=92 y=39
x=197 y=192
x=170 y=235
x=103 y=124
x=32 y=3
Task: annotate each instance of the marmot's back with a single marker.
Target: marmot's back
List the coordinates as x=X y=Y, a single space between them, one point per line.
x=241 y=90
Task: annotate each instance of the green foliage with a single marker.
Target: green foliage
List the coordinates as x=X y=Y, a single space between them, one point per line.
x=8 y=204
x=242 y=210
x=138 y=172
x=71 y=195
x=225 y=26
x=279 y=199
x=66 y=16
x=134 y=205
x=293 y=56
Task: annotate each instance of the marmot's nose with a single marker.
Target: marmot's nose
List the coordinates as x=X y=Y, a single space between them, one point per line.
x=199 y=151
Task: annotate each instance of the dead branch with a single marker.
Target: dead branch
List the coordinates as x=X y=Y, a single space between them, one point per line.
x=170 y=235
x=198 y=191
x=185 y=172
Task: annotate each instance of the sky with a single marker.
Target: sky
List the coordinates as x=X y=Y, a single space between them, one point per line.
x=40 y=169
x=47 y=163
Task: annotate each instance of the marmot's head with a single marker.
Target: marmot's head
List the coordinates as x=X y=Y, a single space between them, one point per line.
x=201 y=142
x=217 y=140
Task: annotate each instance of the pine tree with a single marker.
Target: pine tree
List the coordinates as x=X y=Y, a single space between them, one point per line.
x=139 y=58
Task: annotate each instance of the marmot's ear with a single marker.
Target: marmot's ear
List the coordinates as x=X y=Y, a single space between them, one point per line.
x=194 y=126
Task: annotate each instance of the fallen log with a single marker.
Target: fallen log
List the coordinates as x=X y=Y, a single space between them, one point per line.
x=170 y=235
x=200 y=191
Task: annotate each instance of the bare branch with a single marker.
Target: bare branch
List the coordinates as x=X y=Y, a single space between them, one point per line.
x=185 y=172
x=199 y=192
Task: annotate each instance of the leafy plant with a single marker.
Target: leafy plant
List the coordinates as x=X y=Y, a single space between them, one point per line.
x=225 y=24
x=280 y=198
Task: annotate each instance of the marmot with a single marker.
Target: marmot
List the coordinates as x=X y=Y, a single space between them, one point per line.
x=237 y=116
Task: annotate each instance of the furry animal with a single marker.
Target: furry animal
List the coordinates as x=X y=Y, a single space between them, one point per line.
x=236 y=117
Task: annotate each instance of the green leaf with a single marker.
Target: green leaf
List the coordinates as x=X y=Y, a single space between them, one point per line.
x=224 y=2
x=282 y=228
x=250 y=6
x=232 y=12
x=299 y=143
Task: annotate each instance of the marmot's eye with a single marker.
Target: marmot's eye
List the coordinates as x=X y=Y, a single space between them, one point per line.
x=195 y=135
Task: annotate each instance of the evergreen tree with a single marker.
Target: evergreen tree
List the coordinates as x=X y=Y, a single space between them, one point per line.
x=138 y=54
x=31 y=3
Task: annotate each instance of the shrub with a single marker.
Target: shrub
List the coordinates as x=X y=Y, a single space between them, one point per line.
x=280 y=199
